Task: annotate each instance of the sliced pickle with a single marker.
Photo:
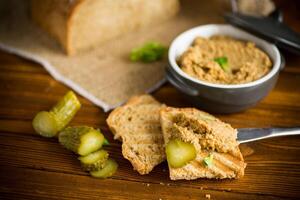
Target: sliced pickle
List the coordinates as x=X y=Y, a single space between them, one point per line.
x=94 y=161
x=82 y=140
x=45 y=124
x=109 y=168
x=48 y=124
x=179 y=153
x=65 y=109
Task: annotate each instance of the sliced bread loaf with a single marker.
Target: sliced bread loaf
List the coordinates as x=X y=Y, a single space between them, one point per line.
x=210 y=137
x=82 y=24
x=137 y=124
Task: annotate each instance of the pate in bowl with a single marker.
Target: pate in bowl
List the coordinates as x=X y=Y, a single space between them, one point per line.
x=215 y=93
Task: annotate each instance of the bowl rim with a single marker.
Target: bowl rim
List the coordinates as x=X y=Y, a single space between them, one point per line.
x=269 y=75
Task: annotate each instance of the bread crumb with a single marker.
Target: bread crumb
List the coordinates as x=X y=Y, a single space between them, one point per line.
x=161 y=183
x=207 y=196
x=148 y=184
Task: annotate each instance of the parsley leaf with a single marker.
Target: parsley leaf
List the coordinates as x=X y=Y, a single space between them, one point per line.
x=150 y=52
x=208 y=161
x=223 y=62
x=106 y=142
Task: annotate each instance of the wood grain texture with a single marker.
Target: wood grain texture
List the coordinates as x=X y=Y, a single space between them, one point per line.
x=32 y=167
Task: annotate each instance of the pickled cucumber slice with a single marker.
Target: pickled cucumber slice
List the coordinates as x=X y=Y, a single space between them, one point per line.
x=94 y=161
x=110 y=167
x=48 y=124
x=45 y=124
x=179 y=153
x=66 y=109
x=82 y=140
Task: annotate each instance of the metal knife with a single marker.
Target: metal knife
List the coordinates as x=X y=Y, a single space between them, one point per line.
x=253 y=134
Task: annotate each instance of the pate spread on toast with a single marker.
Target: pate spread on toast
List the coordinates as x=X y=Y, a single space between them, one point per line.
x=210 y=136
x=145 y=126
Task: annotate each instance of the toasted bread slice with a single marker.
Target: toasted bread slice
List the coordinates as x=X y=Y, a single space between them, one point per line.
x=210 y=136
x=137 y=124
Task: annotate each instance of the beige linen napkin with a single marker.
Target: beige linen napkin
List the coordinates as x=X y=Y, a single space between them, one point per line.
x=104 y=75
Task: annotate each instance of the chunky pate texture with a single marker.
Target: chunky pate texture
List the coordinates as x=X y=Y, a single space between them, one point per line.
x=245 y=62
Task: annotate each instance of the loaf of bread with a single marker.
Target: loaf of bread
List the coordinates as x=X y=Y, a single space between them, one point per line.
x=82 y=24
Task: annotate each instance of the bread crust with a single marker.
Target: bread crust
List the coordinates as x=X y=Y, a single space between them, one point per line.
x=41 y=14
x=68 y=47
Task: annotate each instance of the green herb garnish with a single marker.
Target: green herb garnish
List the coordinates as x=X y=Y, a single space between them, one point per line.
x=106 y=142
x=208 y=161
x=150 y=52
x=223 y=62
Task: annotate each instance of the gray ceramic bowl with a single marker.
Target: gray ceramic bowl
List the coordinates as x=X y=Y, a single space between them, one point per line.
x=221 y=98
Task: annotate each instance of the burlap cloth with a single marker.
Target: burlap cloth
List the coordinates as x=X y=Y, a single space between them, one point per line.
x=103 y=75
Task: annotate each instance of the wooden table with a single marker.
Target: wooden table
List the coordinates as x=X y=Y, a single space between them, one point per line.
x=32 y=167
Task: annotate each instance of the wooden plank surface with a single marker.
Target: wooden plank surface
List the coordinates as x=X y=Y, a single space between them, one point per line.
x=32 y=167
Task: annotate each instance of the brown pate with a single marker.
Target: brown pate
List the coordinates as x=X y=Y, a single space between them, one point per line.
x=244 y=61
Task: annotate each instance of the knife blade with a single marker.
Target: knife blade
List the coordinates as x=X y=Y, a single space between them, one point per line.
x=253 y=134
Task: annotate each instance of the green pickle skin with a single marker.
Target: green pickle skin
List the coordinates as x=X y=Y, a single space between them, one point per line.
x=65 y=109
x=72 y=138
x=48 y=124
